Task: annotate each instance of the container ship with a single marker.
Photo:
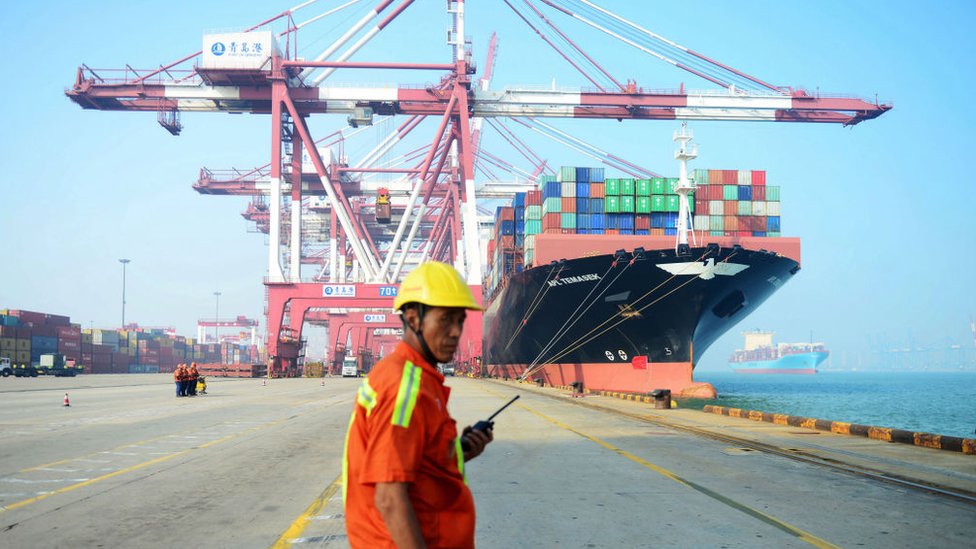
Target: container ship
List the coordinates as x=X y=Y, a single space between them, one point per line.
x=760 y=356
x=622 y=284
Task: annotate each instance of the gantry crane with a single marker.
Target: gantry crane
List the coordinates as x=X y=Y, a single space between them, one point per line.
x=277 y=82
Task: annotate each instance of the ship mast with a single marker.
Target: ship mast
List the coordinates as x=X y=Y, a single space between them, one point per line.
x=686 y=151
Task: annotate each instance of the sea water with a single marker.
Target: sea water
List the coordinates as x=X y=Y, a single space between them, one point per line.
x=941 y=403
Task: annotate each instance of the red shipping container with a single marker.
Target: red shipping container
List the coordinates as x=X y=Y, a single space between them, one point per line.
x=568 y=204
x=758 y=178
x=551 y=221
x=552 y=230
x=597 y=190
x=533 y=198
x=701 y=207
x=614 y=231
x=730 y=223
x=730 y=207
x=642 y=221
x=508 y=214
x=743 y=233
x=69 y=332
x=715 y=177
x=758 y=193
x=57 y=320
x=657 y=232
x=505 y=243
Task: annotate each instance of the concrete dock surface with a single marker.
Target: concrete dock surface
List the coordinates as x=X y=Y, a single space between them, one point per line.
x=257 y=464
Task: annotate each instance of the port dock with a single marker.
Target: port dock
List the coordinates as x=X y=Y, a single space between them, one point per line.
x=257 y=463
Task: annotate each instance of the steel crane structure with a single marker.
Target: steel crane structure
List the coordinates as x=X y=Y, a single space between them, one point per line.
x=269 y=80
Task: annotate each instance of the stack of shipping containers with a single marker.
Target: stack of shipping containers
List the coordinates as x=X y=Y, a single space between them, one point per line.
x=26 y=335
x=582 y=201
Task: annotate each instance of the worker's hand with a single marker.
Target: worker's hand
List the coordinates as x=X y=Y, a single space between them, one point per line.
x=476 y=441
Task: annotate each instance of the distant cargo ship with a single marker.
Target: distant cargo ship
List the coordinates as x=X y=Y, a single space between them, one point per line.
x=760 y=356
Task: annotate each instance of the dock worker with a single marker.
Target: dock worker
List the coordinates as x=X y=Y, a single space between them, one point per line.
x=177 y=378
x=191 y=376
x=403 y=470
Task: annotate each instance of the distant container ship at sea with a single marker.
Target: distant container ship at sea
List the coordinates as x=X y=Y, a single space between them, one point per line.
x=760 y=356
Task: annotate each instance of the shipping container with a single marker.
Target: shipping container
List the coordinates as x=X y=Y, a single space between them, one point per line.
x=597 y=190
x=611 y=204
x=611 y=187
x=730 y=192
x=627 y=187
x=627 y=204
x=672 y=203
x=568 y=204
x=643 y=188
x=643 y=203
x=745 y=208
x=568 y=189
x=553 y=204
x=567 y=173
x=582 y=189
x=758 y=177
x=772 y=193
x=659 y=186
x=773 y=208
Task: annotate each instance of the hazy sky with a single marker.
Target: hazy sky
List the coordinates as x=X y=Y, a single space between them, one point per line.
x=885 y=209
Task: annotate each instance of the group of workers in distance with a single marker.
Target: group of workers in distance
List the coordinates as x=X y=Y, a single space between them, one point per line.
x=186 y=380
x=403 y=473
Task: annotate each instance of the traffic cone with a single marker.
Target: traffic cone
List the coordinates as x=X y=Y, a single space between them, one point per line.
x=323 y=383
x=264 y=382
x=66 y=402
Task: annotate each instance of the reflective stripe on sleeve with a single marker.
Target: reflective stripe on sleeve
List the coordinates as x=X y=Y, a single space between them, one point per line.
x=407 y=395
x=460 y=458
x=345 y=460
x=366 y=397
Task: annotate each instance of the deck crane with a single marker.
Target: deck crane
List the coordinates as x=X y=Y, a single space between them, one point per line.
x=281 y=84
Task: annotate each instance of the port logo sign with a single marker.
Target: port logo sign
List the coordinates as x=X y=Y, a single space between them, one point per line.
x=338 y=290
x=374 y=318
x=218 y=48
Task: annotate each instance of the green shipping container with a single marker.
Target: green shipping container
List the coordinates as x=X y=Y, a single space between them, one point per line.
x=627 y=187
x=627 y=204
x=658 y=186
x=568 y=221
x=611 y=187
x=701 y=177
x=774 y=234
x=691 y=203
x=716 y=223
x=658 y=203
x=672 y=184
x=671 y=203
x=716 y=233
x=533 y=226
x=643 y=204
x=553 y=204
x=745 y=207
x=643 y=187
x=730 y=192
x=567 y=173
x=611 y=204
x=772 y=193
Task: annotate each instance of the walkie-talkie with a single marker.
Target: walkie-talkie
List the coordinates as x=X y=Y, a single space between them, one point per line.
x=487 y=424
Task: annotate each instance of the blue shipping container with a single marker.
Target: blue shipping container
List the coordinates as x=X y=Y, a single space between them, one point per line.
x=772 y=224
x=642 y=232
x=627 y=222
x=519 y=200
x=582 y=231
x=582 y=205
x=44 y=343
x=520 y=227
x=519 y=215
x=582 y=190
x=552 y=188
x=582 y=221
x=508 y=227
x=671 y=231
x=596 y=175
x=745 y=192
x=582 y=175
x=519 y=239
x=658 y=220
x=596 y=205
x=670 y=220
x=597 y=221
x=627 y=231
x=596 y=231
x=758 y=233
x=612 y=221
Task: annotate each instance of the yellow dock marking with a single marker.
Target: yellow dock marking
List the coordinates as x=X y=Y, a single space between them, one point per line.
x=26 y=502
x=297 y=527
x=755 y=513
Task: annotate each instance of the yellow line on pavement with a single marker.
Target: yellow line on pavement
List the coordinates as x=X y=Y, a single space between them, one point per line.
x=755 y=513
x=63 y=461
x=35 y=499
x=297 y=527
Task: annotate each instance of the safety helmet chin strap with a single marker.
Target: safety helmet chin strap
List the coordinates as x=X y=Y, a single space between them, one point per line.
x=421 y=313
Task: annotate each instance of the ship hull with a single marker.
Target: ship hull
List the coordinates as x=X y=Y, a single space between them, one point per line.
x=798 y=363
x=587 y=319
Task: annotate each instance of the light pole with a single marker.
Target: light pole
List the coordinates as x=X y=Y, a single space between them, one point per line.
x=124 y=262
x=216 y=316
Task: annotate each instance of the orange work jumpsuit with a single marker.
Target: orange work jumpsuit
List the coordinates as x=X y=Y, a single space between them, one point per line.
x=400 y=431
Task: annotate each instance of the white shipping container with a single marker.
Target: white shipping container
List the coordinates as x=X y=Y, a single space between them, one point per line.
x=758 y=207
x=239 y=50
x=533 y=212
x=568 y=188
x=716 y=207
x=772 y=208
x=701 y=222
x=745 y=177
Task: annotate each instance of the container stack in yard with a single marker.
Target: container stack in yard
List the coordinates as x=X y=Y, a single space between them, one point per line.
x=582 y=201
x=26 y=335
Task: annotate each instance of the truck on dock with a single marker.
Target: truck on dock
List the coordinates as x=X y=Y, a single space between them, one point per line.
x=350 y=367
x=58 y=365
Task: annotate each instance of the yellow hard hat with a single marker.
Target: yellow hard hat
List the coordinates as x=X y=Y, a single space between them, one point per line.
x=435 y=284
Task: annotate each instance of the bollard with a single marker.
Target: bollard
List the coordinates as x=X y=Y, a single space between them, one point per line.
x=662 y=399
x=540 y=382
